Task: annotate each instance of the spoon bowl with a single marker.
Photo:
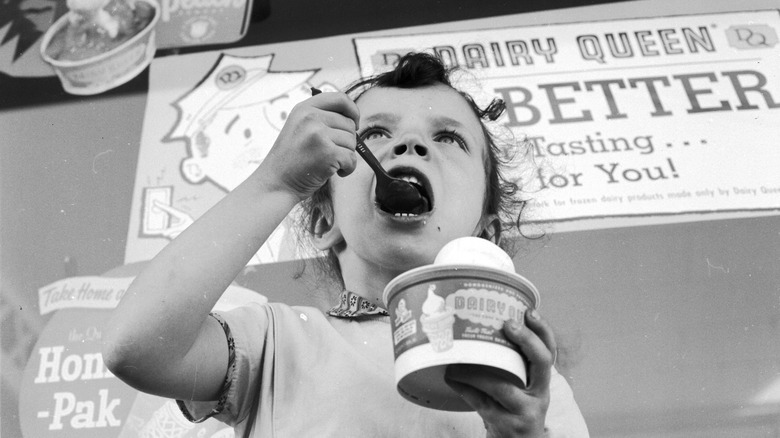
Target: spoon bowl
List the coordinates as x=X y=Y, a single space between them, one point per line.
x=392 y=194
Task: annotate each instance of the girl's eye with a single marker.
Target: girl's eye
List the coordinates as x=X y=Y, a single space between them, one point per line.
x=451 y=137
x=373 y=134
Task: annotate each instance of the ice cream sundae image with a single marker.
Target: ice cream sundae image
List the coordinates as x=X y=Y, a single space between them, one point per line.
x=97 y=26
x=437 y=321
x=100 y=44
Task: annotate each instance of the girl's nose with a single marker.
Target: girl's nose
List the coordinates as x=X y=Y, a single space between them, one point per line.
x=410 y=146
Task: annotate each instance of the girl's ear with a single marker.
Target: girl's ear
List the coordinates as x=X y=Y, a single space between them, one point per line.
x=490 y=229
x=326 y=234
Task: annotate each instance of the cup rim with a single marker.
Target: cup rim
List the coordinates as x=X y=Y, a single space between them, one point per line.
x=478 y=272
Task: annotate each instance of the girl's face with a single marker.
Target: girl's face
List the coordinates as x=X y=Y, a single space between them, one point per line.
x=431 y=135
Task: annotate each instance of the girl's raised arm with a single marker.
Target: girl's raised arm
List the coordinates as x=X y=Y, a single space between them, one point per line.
x=160 y=338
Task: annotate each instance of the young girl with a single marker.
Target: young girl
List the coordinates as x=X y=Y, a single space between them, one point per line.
x=294 y=372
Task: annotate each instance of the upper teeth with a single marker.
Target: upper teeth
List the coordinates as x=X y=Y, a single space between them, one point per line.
x=410 y=178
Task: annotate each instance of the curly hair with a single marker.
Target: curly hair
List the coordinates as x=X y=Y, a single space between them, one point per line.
x=419 y=70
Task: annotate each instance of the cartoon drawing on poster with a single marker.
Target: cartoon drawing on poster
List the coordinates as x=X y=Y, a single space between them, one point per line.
x=228 y=123
x=160 y=217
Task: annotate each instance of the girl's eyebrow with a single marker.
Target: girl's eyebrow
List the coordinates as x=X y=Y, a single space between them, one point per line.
x=437 y=121
x=445 y=121
x=383 y=117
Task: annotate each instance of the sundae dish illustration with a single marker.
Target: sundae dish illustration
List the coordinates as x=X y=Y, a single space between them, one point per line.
x=437 y=321
x=97 y=26
x=101 y=44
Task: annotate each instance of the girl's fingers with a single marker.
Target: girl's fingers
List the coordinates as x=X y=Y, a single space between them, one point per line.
x=339 y=103
x=537 y=344
x=542 y=329
x=337 y=122
x=347 y=161
x=345 y=151
x=508 y=407
x=331 y=134
x=344 y=139
x=482 y=403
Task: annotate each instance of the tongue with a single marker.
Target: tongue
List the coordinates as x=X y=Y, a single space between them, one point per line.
x=402 y=197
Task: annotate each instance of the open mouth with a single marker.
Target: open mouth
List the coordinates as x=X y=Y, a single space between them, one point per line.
x=409 y=195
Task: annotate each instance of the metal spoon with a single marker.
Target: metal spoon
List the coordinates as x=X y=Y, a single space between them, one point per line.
x=392 y=194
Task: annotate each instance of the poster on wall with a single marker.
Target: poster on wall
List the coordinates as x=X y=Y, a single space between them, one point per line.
x=210 y=121
x=650 y=116
x=66 y=388
x=644 y=117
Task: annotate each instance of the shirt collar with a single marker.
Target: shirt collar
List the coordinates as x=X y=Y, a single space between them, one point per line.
x=352 y=305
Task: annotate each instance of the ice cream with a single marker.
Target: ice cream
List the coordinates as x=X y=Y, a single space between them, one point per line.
x=437 y=321
x=474 y=251
x=87 y=14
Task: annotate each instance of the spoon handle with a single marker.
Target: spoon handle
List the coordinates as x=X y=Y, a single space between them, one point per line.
x=367 y=155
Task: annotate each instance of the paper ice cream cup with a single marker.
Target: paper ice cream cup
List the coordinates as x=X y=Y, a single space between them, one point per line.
x=466 y=328
x=109 y=69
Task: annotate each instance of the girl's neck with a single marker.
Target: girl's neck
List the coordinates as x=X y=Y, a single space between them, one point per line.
x=365 y=278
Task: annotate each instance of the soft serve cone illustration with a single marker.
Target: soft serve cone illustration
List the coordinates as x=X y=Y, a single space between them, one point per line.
x=437 y=321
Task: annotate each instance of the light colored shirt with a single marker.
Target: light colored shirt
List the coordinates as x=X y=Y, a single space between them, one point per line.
x=333 y=377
